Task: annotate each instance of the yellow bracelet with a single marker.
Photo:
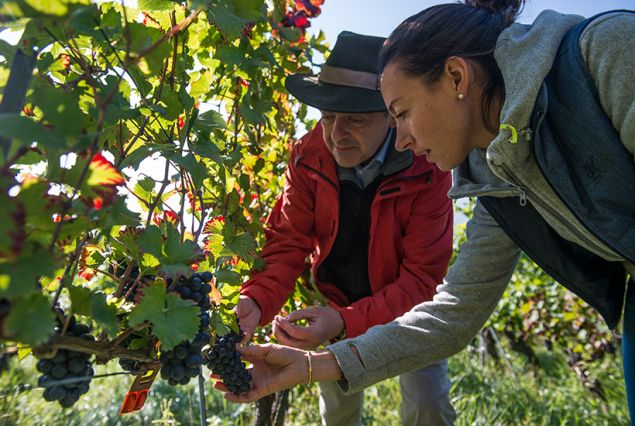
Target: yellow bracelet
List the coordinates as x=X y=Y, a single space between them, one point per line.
x=308 y=358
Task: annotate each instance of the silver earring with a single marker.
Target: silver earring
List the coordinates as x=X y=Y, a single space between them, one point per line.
x=461 y=96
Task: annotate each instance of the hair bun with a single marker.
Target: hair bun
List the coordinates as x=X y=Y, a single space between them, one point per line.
x=509 y=8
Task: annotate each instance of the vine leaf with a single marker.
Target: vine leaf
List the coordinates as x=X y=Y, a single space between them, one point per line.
x=229 y=277
x=223 y=17
x=99 y=187
x=174 y=256
x=25 y=130
x=173 y=319
x=21 y=276
x=85 y=302
x=239 y=245
x=31 y=320
x=156 y=5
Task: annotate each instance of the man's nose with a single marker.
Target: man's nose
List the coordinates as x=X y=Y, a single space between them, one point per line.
x=340 y=129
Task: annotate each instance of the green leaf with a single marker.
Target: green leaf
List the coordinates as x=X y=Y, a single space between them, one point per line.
x=156 y=5
x=229 y=277
x=209 y=120
x=7 y=51
x=20 y=277
x=94 y=305
x=201 y=84
x=55 y=7
x=240 y=245
x=60 y=108
x=173 y=319
x=142 y=38
x=27 y=131
x=231 y=55
x=174 y=256
x=118 y=214
x=217 y=323
x=138 y=155
x=214 y=244
x=252 y=10
x=85 y=19
x=31 y=320
x=172 y=103
x=144 y=189
x=224 y=18
x=197 y=170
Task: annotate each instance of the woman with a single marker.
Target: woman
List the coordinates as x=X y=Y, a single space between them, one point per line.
x=509 y=108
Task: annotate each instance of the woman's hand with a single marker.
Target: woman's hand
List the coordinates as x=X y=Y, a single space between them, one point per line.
x=275 y=368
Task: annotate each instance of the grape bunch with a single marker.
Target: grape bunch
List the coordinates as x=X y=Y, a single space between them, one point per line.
x=132 y=277
x=129 y=364
x=183 y=363
x=196 y=288
x=224 y=360
x=66 y=364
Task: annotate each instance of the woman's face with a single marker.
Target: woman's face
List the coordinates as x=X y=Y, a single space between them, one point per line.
x=431 y=119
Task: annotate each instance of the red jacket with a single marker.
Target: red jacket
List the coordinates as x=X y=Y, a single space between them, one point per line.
x=410 y=237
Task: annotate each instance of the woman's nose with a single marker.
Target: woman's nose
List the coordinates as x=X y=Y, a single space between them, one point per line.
x=404 y=140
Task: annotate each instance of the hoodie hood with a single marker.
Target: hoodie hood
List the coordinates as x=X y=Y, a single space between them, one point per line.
x=524 y=54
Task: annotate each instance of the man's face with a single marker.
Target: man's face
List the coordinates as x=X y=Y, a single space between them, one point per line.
x=354 y=138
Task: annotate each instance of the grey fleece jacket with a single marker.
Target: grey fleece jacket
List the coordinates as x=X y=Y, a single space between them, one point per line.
x=437 y=329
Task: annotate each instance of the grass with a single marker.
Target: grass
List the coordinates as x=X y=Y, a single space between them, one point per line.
x=484 y=393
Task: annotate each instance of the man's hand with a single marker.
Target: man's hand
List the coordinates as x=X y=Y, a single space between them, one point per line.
x=248 y=315
x=275 y=368
x=325 y=323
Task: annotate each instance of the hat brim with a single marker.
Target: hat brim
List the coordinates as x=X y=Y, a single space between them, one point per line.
x=334 y=98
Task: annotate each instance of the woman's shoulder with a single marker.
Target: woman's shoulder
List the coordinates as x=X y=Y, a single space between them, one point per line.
x=610 y=32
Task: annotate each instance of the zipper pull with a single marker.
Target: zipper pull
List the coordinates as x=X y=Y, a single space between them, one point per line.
x=523 y=196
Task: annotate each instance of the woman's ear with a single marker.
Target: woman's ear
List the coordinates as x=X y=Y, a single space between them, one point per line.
x=457 y=71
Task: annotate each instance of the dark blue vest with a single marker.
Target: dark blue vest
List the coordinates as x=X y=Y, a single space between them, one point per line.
x=582 y=158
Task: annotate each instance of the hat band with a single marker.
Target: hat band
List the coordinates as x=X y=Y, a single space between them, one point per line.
x=346 y=77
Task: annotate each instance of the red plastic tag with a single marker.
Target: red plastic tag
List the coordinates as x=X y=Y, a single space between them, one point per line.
x=138 y=393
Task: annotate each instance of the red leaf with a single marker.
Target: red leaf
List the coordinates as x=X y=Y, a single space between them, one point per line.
x=102 y=172
x=170 y=216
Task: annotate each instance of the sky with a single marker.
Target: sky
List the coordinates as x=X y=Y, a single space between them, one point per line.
x=380 y=17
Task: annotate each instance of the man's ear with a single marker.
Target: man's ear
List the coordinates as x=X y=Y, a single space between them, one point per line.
x=457 y=71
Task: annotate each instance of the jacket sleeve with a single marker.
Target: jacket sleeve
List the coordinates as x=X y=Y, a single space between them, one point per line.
x=427 y=248
x=436 y=329
x=289 y=240
x=607 y=46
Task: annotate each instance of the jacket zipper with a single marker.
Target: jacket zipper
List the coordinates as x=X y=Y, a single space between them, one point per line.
x=524 y=194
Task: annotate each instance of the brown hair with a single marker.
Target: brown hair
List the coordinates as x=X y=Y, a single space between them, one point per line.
x=423 y=42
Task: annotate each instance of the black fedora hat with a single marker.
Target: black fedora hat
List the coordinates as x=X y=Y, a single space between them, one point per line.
x=348 y=81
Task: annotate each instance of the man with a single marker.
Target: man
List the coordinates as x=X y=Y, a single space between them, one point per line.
x=376 y=223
